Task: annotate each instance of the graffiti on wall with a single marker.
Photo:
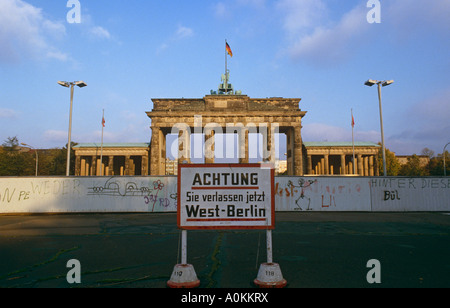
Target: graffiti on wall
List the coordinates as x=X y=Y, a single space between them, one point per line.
x=159 y=194
x=317 y=194
x=143 y=194
x=297 y=192
x=155 y=193
x=29 y=189
x=410 y=193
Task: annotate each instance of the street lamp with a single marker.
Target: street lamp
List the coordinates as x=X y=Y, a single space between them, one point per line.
x=37 y=157
x=445 y=167
x=67 y=85
x=370 y=83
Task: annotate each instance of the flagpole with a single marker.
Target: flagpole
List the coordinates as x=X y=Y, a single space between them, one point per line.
x=101 y=148
x=353 y=144
x=226 y=69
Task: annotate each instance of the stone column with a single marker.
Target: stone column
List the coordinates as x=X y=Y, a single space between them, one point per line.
x=243 y=146
x=99 y=167
x=184 y=144
x=371 y=171
x=298 y=158
x=327 y=164
x=77 y=165
x=128 y=166
x=209 y=146
x=366 y=165
x=162 y=155
x=290 y=150
x=309 y=164
x=360 y=170
x=343 y=170
x=93 y=165
x=144 y=165
x=267 y=132
x=155 y=150
x=110 y=165
x=83 y=167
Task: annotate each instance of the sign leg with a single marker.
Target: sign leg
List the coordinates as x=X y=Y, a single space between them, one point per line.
x=269 y=274
x=183 y=275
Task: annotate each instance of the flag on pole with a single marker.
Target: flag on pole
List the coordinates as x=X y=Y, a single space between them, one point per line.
x=353 y=120
x=103 y=121
x=227 y=47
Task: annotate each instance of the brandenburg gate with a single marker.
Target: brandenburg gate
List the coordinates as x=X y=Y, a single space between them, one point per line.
x=228 y=113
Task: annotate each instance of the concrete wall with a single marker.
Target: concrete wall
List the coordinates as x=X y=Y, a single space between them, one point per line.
x=363 y=193
x=410 y=194
x=88 y=194
x=158 y=194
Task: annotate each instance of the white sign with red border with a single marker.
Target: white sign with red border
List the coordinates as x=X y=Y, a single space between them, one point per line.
x=226 y=196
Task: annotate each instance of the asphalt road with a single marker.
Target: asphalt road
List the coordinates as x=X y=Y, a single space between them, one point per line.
x=314 y=250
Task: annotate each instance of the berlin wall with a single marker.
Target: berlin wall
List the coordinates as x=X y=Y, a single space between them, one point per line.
x=159 y=194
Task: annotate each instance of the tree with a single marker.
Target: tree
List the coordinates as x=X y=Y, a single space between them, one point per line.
x=19 y=161
x=413 y=167
x=428 y=152
x=392 y=163
x=436 y=165
x=14 y=161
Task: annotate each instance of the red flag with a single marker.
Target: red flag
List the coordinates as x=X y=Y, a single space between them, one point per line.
x=227 y=47
x=353 y=121
x=103 y=121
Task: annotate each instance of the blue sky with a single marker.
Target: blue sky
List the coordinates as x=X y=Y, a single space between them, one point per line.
x=321 y=51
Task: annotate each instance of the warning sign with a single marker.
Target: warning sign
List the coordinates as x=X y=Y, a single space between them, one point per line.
x=226 y=196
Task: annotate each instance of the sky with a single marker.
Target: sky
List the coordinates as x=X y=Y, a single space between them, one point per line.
x=321 y=51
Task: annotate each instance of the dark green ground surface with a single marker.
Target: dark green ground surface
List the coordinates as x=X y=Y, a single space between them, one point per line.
x=140 y=250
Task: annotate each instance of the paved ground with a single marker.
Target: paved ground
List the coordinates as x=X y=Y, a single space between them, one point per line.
x=140 y=250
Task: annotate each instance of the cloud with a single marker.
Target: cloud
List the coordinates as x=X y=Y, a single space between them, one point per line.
x=313 y=35
x=181 y=33
x=25 y=32
x=55 y=136
x=325 y=44
x=100 y=32
x=301 y=16
x=55 y=54
x=7 y=113
x=431 y=124
x=92 y=30
x=221 y=11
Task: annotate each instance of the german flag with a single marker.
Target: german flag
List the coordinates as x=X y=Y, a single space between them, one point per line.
x=227 y=47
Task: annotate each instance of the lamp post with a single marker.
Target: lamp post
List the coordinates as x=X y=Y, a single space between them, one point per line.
x=71 y=85
x=445 y=166
x=37 y=157
x=370 y=83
